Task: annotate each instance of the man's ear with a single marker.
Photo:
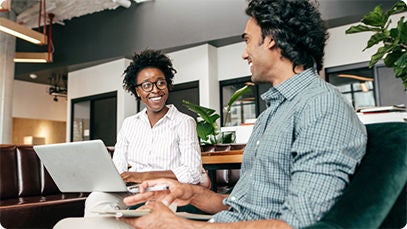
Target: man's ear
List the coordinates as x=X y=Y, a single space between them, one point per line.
x=270 y=42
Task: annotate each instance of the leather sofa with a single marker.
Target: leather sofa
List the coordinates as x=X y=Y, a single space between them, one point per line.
x=29 y=197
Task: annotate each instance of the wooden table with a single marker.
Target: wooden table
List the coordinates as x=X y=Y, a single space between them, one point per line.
x=222 y=157
x=213 y=161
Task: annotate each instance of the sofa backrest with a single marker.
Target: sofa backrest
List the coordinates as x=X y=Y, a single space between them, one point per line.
x=22 y=173
x=376 y=195
x=8 y=172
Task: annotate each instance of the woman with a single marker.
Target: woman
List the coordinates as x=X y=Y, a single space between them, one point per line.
x=159 y=141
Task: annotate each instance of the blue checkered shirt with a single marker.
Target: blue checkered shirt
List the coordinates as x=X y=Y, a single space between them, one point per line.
x=299 y=157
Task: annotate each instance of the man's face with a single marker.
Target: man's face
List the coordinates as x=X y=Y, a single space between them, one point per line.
x=156 y=98
x=257 y=52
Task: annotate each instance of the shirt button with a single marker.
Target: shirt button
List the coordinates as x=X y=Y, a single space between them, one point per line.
x=233 y=198
x=258 y=142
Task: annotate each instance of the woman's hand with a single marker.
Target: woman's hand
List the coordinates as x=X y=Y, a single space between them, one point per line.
x=133 y=177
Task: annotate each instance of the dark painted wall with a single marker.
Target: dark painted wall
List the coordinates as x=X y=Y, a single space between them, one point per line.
x=159 y=25
x=162 y=24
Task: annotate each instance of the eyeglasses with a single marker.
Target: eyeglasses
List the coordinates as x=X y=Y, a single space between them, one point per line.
x=148 y=86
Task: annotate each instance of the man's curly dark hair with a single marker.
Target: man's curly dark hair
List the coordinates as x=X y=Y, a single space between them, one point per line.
x=145 y=59
x=296 y=26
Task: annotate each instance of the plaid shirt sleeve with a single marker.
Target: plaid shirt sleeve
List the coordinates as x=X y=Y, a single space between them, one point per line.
x=327 y=147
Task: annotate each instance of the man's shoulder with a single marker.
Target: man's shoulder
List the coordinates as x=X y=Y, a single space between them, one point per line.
x=322 y=91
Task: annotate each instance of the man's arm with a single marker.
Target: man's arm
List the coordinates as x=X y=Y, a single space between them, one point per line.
x=329 y=143
x=162 y=217
x=182 y=194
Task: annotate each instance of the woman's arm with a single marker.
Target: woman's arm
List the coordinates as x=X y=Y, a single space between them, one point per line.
x=190 y=166
x=138 y=177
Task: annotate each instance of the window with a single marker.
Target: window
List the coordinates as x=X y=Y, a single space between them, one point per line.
x=246 y=108
x=356 y=82
x=95 y=117
x=184 y=91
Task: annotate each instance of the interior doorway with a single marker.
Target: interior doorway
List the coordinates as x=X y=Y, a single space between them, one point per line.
x=95 y=117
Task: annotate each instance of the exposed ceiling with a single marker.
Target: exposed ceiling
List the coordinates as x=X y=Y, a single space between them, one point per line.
x=27 y=11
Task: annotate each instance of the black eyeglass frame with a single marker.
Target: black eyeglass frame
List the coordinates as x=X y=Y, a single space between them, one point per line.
x=164 y=86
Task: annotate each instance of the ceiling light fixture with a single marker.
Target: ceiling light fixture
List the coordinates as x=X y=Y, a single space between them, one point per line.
x=38 y=57
x=141 y=1
x=33 y=76
x=5 y=5
x=33 y=57
x=20 y=31
x=361 y=78
x=59 y=86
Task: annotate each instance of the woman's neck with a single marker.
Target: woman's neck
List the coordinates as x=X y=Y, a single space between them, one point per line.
x=154 y=117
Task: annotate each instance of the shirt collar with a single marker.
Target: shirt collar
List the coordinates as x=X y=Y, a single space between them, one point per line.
x=291 y=87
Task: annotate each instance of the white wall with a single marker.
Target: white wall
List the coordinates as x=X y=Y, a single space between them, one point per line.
x=97 y=80
x=342 y=49
x=31 y=100
x=230 y=62
x=199 y=63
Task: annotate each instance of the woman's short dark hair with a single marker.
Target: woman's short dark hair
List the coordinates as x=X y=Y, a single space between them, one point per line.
x=146 y=59
x=295 y=25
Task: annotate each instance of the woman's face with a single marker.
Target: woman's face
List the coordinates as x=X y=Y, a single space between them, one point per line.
x=156 y=98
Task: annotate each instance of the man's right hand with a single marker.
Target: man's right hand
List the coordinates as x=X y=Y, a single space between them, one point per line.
x=181 y=194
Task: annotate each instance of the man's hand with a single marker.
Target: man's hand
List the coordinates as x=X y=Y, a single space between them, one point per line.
x=181 y=194
x=160 y=217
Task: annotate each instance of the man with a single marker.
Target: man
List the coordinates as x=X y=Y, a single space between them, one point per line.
x=304 y=146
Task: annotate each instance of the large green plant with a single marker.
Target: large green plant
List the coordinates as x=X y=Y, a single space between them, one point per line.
x=207 y=127
x=394 y=40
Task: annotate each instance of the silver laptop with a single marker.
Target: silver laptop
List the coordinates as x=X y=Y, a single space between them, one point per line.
x=84 y=166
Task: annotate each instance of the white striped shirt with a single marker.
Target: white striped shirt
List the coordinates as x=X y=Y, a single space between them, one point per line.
x=171 y=144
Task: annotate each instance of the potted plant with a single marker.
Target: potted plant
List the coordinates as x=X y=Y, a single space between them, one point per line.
x=393 y=41
x=207 y=128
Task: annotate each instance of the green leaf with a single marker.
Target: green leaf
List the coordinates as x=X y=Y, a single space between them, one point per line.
x=402 y=30
x=401 y=62
x=375 y=18
x=379 y=55
x=238 y=93
x=375 y=39
x=394 y=33
x=392 y=57
x=398 y=7
x=403 y=77
x=361 y=28
x=203 y=112
x=213 y=118
x=204 y=130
